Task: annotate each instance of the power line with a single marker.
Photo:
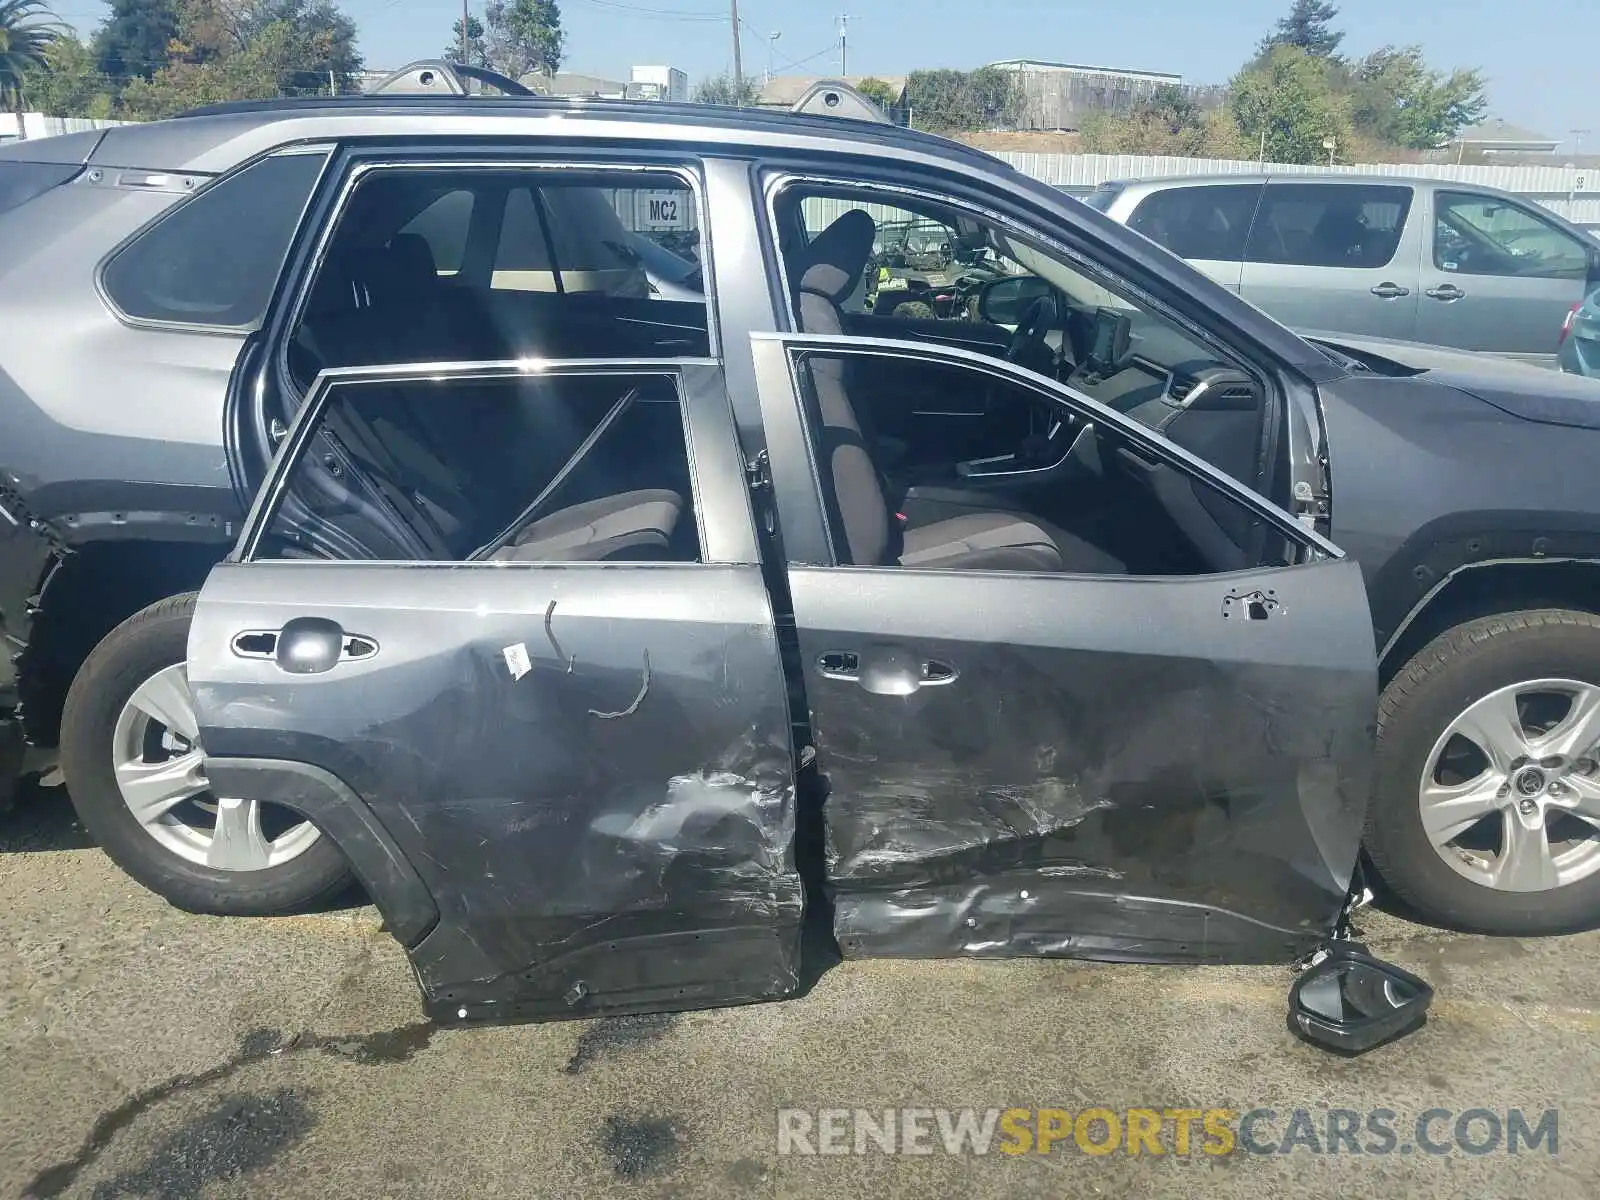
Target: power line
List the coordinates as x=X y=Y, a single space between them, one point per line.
x=655 y=14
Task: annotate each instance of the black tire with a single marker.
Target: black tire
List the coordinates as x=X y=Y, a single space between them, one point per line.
x=145 y=643
x=1457 y=668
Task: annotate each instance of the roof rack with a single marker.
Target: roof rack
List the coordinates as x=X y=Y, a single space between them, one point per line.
x=435 y=77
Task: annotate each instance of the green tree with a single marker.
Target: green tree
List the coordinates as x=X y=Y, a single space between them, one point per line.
x=721 y=89
x=879 y=91
x=1169 y=122
x=524 y=36
x=326 y=36
x=247 y=50
x=133 y=42
x=964 y=101
x=69 y=84
x=1308 y=26
x=1396 y=98
x=27 y=31
x=475 y=54
x=1286 y=102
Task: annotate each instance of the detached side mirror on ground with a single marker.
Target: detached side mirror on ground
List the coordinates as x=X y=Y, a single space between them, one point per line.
x=1350 y=1002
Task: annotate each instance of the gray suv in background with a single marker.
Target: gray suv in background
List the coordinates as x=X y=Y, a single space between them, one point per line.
x=1423 y=260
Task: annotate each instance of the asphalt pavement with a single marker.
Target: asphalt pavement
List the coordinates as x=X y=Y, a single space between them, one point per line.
x=147 y=1052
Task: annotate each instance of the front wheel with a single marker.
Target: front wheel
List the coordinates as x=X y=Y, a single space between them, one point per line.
x=1486 y=807
x=135 y=769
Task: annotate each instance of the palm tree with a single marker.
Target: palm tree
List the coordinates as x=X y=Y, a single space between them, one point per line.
x=27 y=29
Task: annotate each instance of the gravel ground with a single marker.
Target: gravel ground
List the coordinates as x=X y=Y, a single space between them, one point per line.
x=152 y=1053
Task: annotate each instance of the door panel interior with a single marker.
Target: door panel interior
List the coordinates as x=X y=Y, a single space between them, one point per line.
x=1146 y=769
x=588 y=768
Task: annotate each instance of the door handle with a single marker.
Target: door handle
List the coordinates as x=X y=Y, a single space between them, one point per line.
x=1390 y=291
x=304 y=646
x=1446 y=292
x=885 y=670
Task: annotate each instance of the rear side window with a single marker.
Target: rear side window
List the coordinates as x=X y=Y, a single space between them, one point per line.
x=1199 y=222
x=214 y=260
x=1329 y=225
x=1104 y=196
x=23 y=181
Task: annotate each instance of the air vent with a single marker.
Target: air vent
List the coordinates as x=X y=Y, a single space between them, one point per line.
x=1181 y=387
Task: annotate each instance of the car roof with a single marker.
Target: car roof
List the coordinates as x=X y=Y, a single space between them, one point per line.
x=193 y=140
x=1298 y=177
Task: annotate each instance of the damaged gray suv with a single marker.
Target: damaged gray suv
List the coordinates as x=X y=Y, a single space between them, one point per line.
x=583 y=618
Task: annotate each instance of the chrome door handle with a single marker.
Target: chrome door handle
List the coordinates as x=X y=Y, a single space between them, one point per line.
x=1390 y=291
x=1446 y=292
x=304 y=646
x=885 y=670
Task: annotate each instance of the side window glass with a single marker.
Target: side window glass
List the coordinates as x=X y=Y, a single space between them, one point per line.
x=215 y=259
x=1329 y=225
x=544 y=468
x=1034 y=489
x=1485 y=235
x=444 y=226
x=1199 y=222
x=486 y=264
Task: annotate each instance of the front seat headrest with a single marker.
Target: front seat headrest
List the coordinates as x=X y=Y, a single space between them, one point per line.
x=838 y=256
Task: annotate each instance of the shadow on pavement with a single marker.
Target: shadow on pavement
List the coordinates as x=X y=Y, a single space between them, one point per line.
x=41 y=819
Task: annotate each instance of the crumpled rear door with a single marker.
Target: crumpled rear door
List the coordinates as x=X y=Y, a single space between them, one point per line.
x=569 y=787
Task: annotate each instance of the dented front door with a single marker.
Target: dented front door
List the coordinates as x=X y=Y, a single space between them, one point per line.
x=1148 y=768
x=568 y=786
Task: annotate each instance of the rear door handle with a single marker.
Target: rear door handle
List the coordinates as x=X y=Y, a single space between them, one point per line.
x=1390 y=291
x=304 y=646
x=1446 y=292
x=885 y=670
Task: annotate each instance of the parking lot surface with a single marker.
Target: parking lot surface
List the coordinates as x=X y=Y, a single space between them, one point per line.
x=152 y=1053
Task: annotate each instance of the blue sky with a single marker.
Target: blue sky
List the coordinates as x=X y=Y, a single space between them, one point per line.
x=1539 y=55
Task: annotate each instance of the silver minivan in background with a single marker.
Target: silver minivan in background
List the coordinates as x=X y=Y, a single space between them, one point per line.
x=1423 y=260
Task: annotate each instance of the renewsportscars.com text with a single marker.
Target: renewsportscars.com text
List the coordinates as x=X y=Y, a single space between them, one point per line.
x=1161 y=1131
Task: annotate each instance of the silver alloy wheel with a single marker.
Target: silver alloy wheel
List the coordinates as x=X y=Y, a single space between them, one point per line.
x=1510 y=795
x=160 y=771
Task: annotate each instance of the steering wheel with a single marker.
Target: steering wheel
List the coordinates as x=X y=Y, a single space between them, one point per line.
x=1028 y=347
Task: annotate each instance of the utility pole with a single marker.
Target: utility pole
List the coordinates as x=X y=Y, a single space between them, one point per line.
x=738 y=64
x=466 y=54
x=844 y=21
x=772 y=52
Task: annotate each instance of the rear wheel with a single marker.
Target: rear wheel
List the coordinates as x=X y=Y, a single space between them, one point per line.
x=135 y=770
x=1486 y=810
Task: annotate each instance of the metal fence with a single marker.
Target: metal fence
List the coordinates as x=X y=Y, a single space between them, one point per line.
x=37 y=125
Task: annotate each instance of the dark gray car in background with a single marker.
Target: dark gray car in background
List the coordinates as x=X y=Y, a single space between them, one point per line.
x=1050 y=600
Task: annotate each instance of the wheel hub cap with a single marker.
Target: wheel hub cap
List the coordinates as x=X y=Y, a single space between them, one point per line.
x=1510 y=795
x=160 y=771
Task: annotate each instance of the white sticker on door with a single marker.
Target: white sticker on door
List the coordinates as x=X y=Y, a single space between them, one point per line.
x=517 y=660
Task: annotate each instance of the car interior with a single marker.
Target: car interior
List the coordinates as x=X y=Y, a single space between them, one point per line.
x=549 y=468
x=432 y=266
x=928 y=464
x=932 y=465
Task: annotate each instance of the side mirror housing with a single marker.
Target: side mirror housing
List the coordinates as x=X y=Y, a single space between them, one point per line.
x=1351 y=1002
x=1003 y=301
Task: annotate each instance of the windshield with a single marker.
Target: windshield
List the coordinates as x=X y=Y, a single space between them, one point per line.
x=984 y=280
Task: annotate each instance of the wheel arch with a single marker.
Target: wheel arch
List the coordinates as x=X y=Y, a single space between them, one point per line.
x=84 y=595
x=1480 y=589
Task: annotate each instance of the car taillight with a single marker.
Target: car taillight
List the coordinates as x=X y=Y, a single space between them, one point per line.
x=1566 y=326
